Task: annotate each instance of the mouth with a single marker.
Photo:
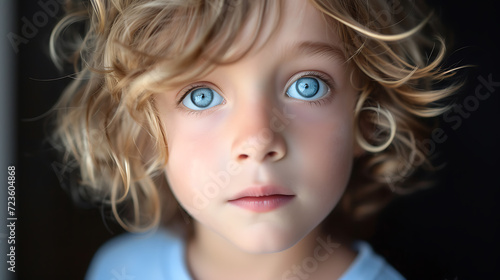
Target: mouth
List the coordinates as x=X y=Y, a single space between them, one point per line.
x=262 y=199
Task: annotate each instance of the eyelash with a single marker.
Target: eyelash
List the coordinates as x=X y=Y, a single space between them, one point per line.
x=186 y=91
x=318 y=75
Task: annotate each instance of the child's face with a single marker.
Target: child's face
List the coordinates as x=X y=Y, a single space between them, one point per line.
x=281 y=116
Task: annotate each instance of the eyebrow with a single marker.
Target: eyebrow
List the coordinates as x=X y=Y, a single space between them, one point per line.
x=317 y=49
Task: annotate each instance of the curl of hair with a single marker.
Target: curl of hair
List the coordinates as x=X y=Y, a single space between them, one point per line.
x=128 y=51
x=386 y=42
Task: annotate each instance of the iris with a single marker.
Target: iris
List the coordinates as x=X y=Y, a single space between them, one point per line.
x=202 y=97
x=307 y=87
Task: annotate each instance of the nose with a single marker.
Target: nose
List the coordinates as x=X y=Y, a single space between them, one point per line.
x=254 y=136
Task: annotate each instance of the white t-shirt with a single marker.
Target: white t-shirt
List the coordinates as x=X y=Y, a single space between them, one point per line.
x=160 y=255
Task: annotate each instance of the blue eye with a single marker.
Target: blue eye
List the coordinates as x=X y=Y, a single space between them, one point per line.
x=202 y=99
x=307 y=88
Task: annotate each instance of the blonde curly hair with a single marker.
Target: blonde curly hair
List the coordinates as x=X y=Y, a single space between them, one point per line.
x=125 y=51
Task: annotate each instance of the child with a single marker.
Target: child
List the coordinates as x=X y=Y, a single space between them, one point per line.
x=239 y=126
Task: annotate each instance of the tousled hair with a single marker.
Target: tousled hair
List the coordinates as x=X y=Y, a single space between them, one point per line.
x=124 y=52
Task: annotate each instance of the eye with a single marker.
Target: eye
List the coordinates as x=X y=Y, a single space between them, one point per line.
x=202 y=99
x=307 y=88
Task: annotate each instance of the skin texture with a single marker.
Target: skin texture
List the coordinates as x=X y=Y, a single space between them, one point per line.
x=260 y=136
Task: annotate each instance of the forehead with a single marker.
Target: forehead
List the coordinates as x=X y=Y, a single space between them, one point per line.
x=282 y=27
x=295 y=27
x=301 y=20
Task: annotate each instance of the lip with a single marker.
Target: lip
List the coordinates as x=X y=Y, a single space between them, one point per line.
x=262 y=198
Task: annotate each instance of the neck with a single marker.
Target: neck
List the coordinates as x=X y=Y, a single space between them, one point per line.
x=211 y=256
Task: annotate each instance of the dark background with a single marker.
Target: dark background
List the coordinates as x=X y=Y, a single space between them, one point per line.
x=448 y=232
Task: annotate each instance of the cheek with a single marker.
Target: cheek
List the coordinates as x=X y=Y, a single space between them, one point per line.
x=323 y=146
x=187 y=154
x=328 y=155
x=194 y=148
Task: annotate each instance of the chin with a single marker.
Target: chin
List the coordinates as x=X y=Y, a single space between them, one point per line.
x=267 y=240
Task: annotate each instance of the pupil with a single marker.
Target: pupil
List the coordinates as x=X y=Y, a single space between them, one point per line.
x=307 y=87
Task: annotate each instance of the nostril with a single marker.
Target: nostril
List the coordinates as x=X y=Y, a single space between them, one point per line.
x=272 y=154
x=242 y=157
